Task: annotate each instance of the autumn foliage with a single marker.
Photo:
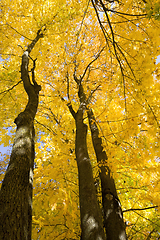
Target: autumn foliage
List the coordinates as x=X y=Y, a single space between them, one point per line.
x=112 y=47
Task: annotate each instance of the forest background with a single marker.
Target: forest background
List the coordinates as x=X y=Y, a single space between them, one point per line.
x=116 y=54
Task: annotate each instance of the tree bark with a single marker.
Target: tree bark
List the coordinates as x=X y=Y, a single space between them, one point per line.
x=91 y=217
x=113 y=216
x=16 y=190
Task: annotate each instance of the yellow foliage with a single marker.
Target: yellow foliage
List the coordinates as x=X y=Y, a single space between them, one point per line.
x=122 y=83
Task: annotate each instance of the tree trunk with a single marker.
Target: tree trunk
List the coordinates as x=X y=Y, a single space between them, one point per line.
x=16 y=190
x=91 y=217
x=113 y=216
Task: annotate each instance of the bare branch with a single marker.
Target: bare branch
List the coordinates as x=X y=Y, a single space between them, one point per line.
x=92 y=92
x=67 y=76
x=101 y=25
x=139 y=209
x=18 y=32
x=78 y=81
x=82 y=23
x=5 y=91
x=153 y=113
x=149 y=235
x=116 y=54
x=69 y=105
x=45 y=126
x=92 y=62
x=126 y=14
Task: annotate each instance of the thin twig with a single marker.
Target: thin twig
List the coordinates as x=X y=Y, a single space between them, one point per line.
x=139 y=209
x=92 y=62
x=5 y=91
x=81 y=24
x=18 y=32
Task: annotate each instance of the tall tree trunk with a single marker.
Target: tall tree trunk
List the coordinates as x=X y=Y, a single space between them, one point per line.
x=91 y=217
x=16 y=190
x=113 y=216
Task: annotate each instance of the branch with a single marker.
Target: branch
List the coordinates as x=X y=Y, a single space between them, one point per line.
x=40 y=34
x=116 y=47
x=101 y=25
x=92 y=62
x=148 y=219
x=81 y=24
x=131 y=21
x=92 y=92
x=67 y=86
x=29 y=88
x=153 y=113
x=78 y=81
x=69 y=105
x=5 y=91
x=116 y=54
x=149 y=235
x=128 y=20
x=18 y=32
x=127 y=14
x=36 y=86
x=55 y=119
x=48 y=128
x=139 y=209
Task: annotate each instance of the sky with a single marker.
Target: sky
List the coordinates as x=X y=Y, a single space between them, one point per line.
x=158 y=59
x=4 y=149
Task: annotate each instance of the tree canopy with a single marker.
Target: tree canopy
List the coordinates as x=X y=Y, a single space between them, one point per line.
x=112 y=46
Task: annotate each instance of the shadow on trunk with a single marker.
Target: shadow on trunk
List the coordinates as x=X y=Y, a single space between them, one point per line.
x=16 y=190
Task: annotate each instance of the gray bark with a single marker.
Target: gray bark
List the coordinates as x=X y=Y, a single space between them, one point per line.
x=16 y=190
x=113 y=216
x=91 y=218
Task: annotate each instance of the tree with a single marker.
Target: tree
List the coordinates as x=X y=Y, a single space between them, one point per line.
x=112 y=46
x=16 y=190
x=91 y=219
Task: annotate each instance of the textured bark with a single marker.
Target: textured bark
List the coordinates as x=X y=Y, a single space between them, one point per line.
x=113 y=216
x=91 y=218
x=16 y=190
